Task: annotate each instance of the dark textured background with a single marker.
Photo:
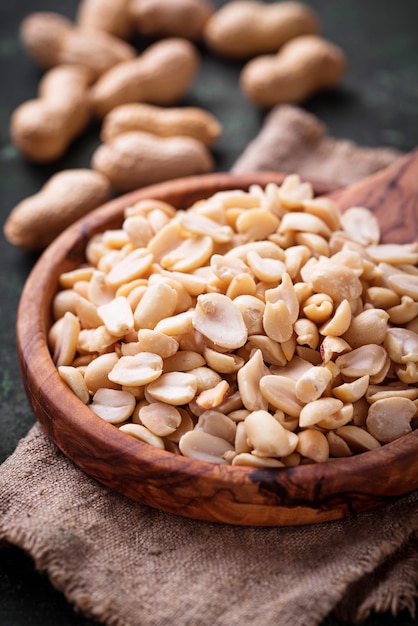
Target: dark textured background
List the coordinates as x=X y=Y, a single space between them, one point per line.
x=376 y=104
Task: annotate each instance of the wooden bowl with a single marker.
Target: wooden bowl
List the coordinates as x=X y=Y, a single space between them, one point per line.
x=175 y=484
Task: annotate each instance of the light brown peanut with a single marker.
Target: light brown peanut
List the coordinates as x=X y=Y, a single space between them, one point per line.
x=51 y=39
x=240 y=29
x=303 y=66
x=110 y=16
x=43 y=128
x=160 y=75
x=66 y=196
x=164 y=122
x=165 y=18
x=137 y=159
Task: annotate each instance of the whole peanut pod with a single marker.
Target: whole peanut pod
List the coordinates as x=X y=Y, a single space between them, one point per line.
x=43 y=128
x=65 y=197
x=109 y=16
x=246 y=28
x=165 y=18
x=160 y=75
x=302 y=67
x=136 y=159
x=51 y=39
x=161 y=121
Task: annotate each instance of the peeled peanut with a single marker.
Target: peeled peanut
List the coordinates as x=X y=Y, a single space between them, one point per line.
x=338 y=281
x=161 y=419
x=67 y=196
x=218 y=319
x=160 y=75
x=402 y=345
x=361 y=225
x=109 y=16
x=174 y=388
x=75 y=381
x=369 y=326
x=165 y=18
x=248 y=379
x=313 y=445
x=43 y=128
x=51 y=39
x=137 y=159
x=217 y=424
x=367 y=359
x=267 y=436
x=164 y=122
x=317 y=410
x=113 y=405
x=66 y=346
x=240 y=29
x=302 y=67
x=197 y=444
x=390 y=418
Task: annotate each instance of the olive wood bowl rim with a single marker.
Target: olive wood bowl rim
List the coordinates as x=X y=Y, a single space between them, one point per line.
x=62 y=414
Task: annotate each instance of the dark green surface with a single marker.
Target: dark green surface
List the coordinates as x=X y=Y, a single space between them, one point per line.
x=376 y=104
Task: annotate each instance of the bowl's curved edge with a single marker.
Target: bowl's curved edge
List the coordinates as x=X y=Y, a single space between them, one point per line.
x=218 y=493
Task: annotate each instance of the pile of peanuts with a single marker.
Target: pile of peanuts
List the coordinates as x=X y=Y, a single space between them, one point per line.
x=260 y=328
x=94 y=71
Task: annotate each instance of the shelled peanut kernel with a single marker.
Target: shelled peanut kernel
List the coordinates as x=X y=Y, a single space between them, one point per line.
x=223 y=338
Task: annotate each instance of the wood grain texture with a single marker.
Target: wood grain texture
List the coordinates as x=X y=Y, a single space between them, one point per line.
x=175 y=484
x=392 y=195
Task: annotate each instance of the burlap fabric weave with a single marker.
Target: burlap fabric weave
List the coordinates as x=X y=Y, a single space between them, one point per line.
x=293 y=140
x=126 y=564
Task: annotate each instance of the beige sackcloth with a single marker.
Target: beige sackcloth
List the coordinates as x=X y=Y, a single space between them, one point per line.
x=126 y=564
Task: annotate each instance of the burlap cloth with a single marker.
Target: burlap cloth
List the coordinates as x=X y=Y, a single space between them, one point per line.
x=126 y=564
